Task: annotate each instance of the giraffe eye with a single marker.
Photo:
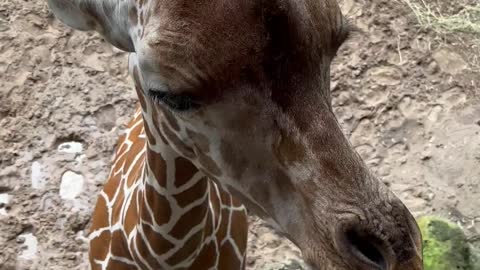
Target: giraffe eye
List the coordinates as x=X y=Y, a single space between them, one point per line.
x=176 y=102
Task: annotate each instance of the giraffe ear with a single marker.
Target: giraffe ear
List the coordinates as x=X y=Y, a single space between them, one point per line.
x=108 y=17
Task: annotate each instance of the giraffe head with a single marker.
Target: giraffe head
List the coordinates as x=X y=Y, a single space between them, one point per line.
x=241 y=88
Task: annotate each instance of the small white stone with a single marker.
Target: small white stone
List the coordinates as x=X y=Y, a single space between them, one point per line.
x=30 y=246
x=71 y=147
x=38 y=180
x=71 y=186
x=4 y=198
x=80 y=158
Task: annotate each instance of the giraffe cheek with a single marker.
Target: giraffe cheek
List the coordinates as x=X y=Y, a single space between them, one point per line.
x=200 y=141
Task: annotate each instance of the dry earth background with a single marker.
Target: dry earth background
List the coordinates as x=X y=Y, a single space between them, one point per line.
x=407 y=97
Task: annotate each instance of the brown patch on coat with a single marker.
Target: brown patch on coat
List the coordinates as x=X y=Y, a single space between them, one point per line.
x=99 y=246
x=93 y=264
x=222 y=231
x=133 y=243
x=188 y=249
x=192 y=194
x=236 y=202
x=117 y=205
x=136 y=171
x=135 y=150
x=184 y=171
x=157 y=166
x=190 y=219
x=206 y=258
x=145 y=253
x=159 y=205
x=158 y=243
x=228 y=258
x=119 y=245
x=100 y=216
x=131 y=217
x=239 y=219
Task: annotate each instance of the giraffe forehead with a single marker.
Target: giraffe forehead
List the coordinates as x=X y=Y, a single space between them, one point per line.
x=195 y=58
x=188 y=45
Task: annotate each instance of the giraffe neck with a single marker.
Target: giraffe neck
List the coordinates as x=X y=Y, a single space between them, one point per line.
x=173 y=208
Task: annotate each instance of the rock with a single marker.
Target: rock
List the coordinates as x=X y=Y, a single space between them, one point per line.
x=445 y=246
x=408 y=107
x=29 y=245
x=433 y=116
x=71 y=185
x=93 y=62
x=71 y=147
x=106 y=117
x=37 y=178
x=4 y=199
x=449 y=61
x=385 y=75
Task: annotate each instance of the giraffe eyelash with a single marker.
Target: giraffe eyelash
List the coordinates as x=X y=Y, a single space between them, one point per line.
x=176 y=102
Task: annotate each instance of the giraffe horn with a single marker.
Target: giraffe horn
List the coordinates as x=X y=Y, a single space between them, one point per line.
x=108 y=17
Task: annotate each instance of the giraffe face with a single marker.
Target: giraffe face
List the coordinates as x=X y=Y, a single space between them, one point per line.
x=252 y=110
x=241 y=88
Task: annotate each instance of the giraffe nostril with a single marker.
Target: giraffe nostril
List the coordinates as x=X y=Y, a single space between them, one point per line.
x=364 y=248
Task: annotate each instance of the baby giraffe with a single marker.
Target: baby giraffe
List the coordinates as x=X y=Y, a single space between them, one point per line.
x=235 y=110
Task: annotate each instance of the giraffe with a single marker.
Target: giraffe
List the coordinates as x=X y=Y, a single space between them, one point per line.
x=235 y=110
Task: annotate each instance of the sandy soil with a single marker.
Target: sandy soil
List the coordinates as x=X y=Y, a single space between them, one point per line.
x=407 y=98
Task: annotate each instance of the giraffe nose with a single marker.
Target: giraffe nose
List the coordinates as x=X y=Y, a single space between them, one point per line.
x=363 y=249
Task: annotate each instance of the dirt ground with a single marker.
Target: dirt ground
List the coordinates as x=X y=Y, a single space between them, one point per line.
x=407 y=98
